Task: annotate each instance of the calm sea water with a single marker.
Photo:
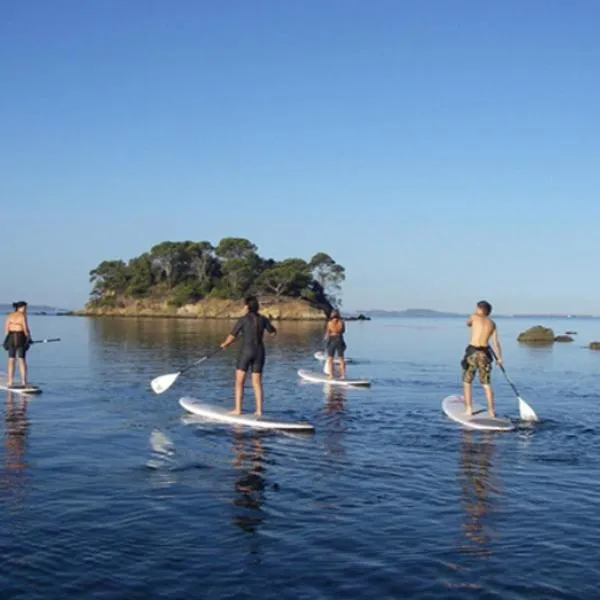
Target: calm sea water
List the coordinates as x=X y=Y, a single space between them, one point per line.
x=109 y=491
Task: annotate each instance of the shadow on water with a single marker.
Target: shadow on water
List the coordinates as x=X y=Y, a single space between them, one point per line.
x=15 y=466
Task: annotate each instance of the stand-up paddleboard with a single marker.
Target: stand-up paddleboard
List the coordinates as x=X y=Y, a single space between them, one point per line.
x=322 y=378
x=18 y=389
x=221 y=414
x=454 y=407
x=323 y=356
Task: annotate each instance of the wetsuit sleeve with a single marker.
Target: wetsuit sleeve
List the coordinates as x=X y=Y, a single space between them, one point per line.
x=269 y=327
x=238 y=327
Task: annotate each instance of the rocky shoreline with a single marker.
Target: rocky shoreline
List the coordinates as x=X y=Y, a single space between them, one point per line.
x=276 y=309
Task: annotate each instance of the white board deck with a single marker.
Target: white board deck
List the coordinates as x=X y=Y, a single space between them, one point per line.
x=18 y=389
x=322 y=356
x=454 y=407
x=222 y=414
x=322 y=378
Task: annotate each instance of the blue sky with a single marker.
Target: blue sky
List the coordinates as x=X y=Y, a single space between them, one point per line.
x=441 y=151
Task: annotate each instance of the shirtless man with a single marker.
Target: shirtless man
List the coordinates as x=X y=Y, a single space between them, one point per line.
x=17 y=341
x=334 y=336
x=478 y=356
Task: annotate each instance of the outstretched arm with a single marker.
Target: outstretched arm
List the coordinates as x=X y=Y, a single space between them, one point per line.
x=228 y=341
x=234 y=333
x=497 y=347
x=269 y=327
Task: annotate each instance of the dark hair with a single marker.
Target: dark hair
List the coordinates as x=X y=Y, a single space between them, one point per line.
x=252 y=304
x=19 y=304
x=486 y=307
x=335 y=314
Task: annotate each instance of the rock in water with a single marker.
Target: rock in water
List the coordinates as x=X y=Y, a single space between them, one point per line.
x=563 y=338
x=595 y=346
x=537 y=335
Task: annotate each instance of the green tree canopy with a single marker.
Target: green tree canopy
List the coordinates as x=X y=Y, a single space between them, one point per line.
x=329 y=275
x=181 y=272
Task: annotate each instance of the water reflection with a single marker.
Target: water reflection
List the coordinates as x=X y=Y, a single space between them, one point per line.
x=335 y=408
x=191 y=333
x=476 y=481
x=16 y=427
x=249 y=482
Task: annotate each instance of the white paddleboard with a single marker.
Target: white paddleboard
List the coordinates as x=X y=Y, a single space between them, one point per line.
x=222 y=414
x=322 y=356
x=454 y=407
x=18 y=389
x=322 y=378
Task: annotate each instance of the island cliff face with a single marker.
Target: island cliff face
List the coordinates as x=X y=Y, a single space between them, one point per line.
x=197 y=280
x=213 y=308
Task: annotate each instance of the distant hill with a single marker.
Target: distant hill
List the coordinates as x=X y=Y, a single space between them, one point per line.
x=33 y=309
x=426 y=312
x=411 y=313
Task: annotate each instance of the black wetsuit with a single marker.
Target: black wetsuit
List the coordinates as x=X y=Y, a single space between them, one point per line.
x=252 y=355
x=17 y=344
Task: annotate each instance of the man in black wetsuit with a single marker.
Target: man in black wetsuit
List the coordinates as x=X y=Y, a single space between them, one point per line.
x=252 y=326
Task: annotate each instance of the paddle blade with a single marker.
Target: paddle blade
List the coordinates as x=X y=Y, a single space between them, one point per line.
x=163 y=383
x=526 y=412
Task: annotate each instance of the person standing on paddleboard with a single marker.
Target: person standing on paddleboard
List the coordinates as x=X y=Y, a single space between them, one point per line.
x=17 y=341
x=478 y=356
x=334 y=338
x=252 y=327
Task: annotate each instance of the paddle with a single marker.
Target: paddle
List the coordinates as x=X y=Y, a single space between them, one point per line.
x=162 y=383
x=46 y=341
x=525 y=411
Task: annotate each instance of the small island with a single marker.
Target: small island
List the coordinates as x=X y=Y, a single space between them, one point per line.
x=199 y=280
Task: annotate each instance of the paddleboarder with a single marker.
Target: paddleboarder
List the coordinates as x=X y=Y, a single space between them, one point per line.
x=334 y=338
x=478 y=356
x=17 y=341
x=252 y=327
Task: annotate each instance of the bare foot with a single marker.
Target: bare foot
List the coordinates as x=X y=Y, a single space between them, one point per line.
x=468 y=412
x=234 y=412
x=258 y=414
x=492 y=414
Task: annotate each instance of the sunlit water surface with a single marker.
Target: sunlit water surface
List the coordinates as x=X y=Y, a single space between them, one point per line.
x=109 y=491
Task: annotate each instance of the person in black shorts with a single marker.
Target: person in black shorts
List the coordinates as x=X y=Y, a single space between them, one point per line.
x=334 y=337
x=252 y=327
x=17 y=341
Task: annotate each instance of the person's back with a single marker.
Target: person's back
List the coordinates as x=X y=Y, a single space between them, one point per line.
x=252 y=327
x=17 y=340
x=15 y=322
x=478 y=356
x=482 y=328
x=335 y=326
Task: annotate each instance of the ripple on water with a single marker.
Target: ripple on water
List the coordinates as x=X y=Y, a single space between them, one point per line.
x=112 y=492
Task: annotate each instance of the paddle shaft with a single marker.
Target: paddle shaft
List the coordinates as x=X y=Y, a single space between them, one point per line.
x=512 y=385
x=200 y=360
x=47 y=341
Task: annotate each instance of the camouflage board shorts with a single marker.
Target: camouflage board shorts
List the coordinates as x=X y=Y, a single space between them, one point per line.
x=477 y=359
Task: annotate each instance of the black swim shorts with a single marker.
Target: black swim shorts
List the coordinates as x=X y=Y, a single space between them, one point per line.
x=16 y=344
x=336 y=345
x=251 y=359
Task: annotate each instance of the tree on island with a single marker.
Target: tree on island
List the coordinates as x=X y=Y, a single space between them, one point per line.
x=186 y=272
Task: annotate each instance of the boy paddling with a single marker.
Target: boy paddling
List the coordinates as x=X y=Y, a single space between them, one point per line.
x=478 y=356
